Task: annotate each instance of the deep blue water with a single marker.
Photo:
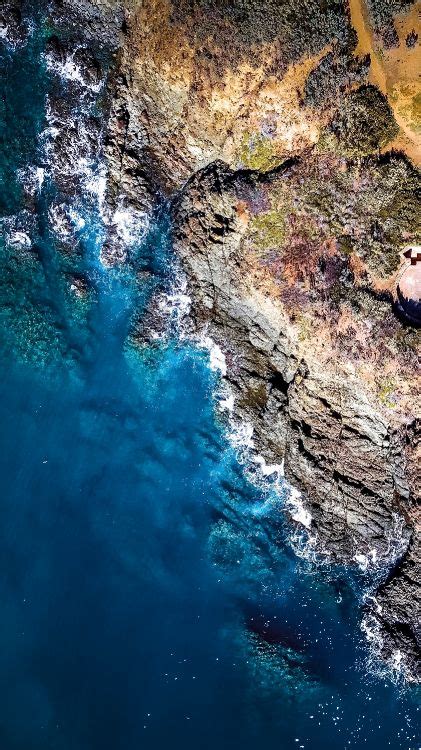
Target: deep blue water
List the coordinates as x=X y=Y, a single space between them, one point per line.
x=149 y=593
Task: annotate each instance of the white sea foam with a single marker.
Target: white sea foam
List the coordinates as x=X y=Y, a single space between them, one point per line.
x=69 y=70
x=227 y=403
x=31 y=178
x=398 y=539
x=74 y=156
x=396 y=668
x=175 y=305
x=377 y=606
x=66 y=69
x=49 y=136
x=65 y=220
x=5 y=35
x=268 y=470
x=366 y=561
x=370 y=626
x=130 y=225
x=217 y=361
x=59 y=221
x=178 y=302
x=50 y=133
x=20 y=239
x=77 y=220
x=306 y=547
x=241 y=436
x=31 y=27
x=396 y=660
x=296 y=508
x=40 y=175
x=96 y=184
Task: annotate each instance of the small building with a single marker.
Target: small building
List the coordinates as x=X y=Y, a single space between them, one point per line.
x=413 y=254
x=409 y=287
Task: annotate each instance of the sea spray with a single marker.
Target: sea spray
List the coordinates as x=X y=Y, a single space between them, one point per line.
x=269 y=478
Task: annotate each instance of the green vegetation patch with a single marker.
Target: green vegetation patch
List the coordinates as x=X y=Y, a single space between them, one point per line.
x=268 y=230
x=364 y=123
x=387 y=388
x=257 y=152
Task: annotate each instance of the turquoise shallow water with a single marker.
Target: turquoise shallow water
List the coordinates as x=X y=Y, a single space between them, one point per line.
x=149 y=593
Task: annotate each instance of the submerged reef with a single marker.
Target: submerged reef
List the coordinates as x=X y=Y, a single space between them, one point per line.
x=286 y=140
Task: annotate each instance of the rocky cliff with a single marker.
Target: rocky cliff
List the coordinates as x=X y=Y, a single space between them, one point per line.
x=317 y=361
x=286 y=139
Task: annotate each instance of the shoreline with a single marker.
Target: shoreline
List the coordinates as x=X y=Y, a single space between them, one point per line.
x=291 y=282
x=299 y=412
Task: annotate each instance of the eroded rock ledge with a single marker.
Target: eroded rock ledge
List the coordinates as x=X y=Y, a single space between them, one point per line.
x=313 y=406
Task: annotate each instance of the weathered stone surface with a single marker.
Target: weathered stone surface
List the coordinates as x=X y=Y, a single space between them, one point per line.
x=339 y=445
x=98 y=21
x=398 y=605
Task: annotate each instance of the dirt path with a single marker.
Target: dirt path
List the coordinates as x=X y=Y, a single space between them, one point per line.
x=383 y=78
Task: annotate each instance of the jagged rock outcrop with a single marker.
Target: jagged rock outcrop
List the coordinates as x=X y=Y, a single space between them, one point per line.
x=311 y=408
x=397 y=611
x=99 y=22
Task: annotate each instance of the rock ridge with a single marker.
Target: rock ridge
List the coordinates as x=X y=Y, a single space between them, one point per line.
x=339 y=447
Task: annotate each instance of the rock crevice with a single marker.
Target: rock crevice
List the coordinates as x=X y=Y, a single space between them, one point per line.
x=347 y=454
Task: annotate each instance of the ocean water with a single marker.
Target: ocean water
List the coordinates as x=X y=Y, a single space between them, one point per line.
x=150 y=594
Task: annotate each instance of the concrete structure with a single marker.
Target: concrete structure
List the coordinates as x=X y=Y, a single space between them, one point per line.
x=409 y=286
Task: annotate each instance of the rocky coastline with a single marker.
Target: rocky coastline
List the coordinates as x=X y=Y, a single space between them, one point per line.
x=289 y=217
x=355 y=464
x=289 y=162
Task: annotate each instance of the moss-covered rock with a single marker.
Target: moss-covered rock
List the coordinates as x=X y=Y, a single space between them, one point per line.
x=257 y=152
x=268 y=230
